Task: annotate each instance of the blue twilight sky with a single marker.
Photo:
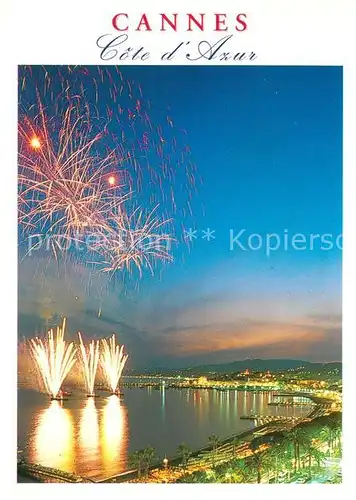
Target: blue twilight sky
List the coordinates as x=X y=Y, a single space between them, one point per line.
x=267 y=142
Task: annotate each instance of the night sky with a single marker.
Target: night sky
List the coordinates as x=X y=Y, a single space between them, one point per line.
x=267 y=142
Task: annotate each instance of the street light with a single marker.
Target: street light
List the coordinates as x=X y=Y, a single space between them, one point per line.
x=165 y=465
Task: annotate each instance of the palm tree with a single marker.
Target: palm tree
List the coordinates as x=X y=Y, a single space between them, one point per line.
x=136 y=460
x=335 y=425
x=184 y=452
x=243 y=471
x=278 y=455
x=312 y=454
x=257 y=462
x=338 y=435
x=297 y=437
x=214 y=440
x=289 y=468
x=327 y=434
x=149 y=454
x=332 y=431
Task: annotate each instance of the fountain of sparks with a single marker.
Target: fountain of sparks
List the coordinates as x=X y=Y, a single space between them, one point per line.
x=54 y=358
x=112 y=362
x=89 y=361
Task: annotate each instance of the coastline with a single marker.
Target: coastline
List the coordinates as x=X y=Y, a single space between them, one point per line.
x=175 y=460
x=248 y=435
x=37 y=471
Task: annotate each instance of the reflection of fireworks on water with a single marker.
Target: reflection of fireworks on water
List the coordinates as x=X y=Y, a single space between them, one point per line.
x=113 y=436
x=89 y=360
x=54 y=358
x=89 y=428
x=90 y=153
x=54 y=438
x=113 y=361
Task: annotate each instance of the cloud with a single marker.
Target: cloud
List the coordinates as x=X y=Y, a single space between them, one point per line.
x=49 y=290
x=182 y=323
x=220 y=328
x=222 y=344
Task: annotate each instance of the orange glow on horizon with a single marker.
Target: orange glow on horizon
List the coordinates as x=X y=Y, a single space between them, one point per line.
x=272 y=337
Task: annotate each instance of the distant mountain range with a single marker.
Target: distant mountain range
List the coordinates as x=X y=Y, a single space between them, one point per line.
x=254 y=365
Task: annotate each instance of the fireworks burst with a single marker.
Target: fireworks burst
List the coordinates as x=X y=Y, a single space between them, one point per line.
x=112 y=361
x=89 y=360
x=54 y=358
x=92 y=162
x=61 y=183
x=135 y=240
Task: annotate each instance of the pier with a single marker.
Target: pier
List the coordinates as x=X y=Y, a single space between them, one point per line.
x=271 y=419
x=46 y=474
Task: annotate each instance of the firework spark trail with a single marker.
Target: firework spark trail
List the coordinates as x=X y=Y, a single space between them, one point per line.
x=89 y=360
x=64 y=190
x=54 y=358
x=135 y=240
x=85 y=165
x=112 y=362
x=147 y=138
